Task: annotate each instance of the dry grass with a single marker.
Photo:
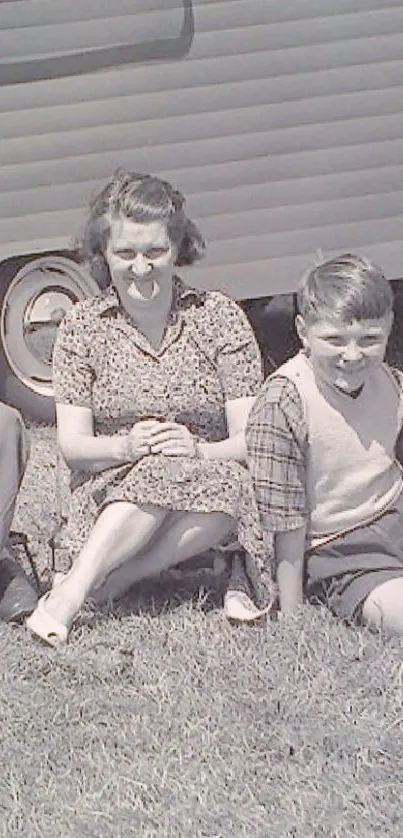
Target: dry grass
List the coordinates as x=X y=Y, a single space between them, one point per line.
x=163 y=721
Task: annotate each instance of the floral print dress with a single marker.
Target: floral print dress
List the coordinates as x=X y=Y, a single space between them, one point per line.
x=208 y=356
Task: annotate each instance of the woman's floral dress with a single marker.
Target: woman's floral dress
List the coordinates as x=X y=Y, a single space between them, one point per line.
x=208 y=357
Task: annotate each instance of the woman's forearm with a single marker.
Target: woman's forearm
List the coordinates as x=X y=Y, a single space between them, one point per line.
x=232 y=448
x=289 y=551
x=83 y=452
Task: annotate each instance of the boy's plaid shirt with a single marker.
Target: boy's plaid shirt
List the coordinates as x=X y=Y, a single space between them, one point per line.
x=276 y=438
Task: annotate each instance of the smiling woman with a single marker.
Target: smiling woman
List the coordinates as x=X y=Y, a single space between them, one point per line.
x=153 y=384
x=141 y=259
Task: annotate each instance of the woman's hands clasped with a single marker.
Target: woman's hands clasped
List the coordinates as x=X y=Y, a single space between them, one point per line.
x=173 y=440
x=150 y=436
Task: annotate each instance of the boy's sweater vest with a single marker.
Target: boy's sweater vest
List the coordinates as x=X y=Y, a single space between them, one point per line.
x=352 y=475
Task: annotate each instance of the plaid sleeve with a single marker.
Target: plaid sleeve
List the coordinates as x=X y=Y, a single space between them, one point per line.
x=276 y=438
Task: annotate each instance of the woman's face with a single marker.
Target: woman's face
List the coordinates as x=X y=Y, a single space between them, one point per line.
x=140 y=258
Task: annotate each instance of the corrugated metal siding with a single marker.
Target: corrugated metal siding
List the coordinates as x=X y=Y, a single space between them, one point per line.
x=282 y=124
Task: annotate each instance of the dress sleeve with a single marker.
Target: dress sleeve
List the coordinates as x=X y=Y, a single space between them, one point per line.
x=73 y=374
x=237 y=354
x=276 y=439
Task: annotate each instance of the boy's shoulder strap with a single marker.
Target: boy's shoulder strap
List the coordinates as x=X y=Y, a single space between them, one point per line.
x=292 y=368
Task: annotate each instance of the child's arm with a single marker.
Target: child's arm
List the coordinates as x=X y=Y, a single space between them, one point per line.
x=276 y=438
x=289 y=550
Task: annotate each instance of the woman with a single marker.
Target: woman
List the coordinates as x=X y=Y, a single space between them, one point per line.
x=153 y=384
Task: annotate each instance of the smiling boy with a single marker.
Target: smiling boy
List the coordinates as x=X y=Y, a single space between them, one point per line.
x=321 y=444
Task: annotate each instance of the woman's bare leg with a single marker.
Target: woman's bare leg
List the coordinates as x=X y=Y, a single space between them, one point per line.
x=121 y=531
x=182 y=536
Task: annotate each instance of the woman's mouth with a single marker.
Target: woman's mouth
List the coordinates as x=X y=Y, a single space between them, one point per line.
x=145 y=288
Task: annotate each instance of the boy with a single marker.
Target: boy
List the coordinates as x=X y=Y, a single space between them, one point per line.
x=321 y=442
x=17 y=597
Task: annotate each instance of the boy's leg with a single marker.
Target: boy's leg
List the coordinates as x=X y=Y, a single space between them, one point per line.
x=360 y=574
x=17 y=597
x=383 y=608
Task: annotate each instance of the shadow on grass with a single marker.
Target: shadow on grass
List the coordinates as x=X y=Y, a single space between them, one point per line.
x=201 y=590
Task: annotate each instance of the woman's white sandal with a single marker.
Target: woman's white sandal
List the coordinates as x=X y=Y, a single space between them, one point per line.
x=240 y=608
x=46 y=627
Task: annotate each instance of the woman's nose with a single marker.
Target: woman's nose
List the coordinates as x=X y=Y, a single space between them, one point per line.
x=140 y=266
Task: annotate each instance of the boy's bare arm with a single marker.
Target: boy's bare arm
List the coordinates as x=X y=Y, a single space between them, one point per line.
x=289 y=550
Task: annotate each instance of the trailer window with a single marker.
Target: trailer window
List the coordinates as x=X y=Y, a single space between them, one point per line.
x=53 y=38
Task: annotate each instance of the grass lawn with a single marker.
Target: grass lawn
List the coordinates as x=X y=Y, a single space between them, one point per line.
x=162 y=720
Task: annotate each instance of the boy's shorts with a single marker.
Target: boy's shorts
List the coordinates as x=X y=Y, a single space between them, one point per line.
x=344 y=571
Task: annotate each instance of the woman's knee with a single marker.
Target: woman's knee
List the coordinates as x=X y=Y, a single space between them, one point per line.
x=218 y=522
x=123 y=522
x=225 y=523
x=383 y=608
x=121 y=510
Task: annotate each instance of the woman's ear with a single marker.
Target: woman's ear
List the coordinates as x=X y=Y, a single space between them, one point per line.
x=175 y=252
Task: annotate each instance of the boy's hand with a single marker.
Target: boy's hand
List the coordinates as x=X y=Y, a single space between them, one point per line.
x=289 y=550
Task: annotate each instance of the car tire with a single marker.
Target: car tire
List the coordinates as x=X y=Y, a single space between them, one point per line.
x=35 y=293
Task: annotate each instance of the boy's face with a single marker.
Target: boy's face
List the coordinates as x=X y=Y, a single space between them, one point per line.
x=343 y=355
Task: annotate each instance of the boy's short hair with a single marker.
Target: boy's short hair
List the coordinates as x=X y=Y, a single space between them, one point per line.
x=346 y=289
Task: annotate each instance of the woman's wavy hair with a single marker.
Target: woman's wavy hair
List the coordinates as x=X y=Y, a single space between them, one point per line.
x=141 y=198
